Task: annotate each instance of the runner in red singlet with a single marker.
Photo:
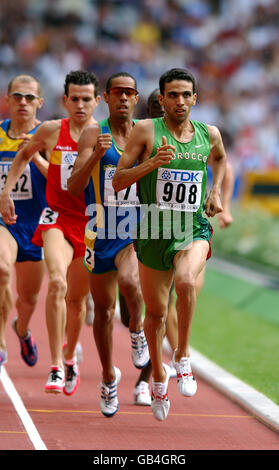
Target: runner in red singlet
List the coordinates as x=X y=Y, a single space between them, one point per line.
x=61 y=227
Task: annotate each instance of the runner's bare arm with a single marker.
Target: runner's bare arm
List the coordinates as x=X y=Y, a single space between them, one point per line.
x=92 y=146
x=138 y=149
x=41 y=163
x=225 y=218
x=217 y=161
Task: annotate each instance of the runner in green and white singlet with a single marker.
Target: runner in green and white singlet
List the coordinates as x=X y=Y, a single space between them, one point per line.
x=168 y=159
x=177 y=186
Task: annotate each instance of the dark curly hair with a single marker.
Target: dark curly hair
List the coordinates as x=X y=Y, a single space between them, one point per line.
x=81 y=77
x=176 y=74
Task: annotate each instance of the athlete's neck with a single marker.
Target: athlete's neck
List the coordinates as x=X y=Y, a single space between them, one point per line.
x=76 y=128
x=17 y=128
x=120 y=130
x=182 y=131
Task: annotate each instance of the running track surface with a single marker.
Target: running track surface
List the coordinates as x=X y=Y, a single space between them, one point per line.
x=207 y=421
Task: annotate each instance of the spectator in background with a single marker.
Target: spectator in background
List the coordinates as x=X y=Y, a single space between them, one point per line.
x=232 y=46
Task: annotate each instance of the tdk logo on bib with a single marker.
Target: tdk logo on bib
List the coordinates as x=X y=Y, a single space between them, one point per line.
x=166 y=175
x=184 y=176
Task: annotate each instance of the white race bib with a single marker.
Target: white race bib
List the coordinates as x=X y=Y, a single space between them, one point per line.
x=179 y=189
x=48 y=216
x=89 y=258
x=67 y=163
x=23 y=187
x=125 y=198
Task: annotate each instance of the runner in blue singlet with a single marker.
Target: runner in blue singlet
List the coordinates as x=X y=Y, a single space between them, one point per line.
x=110 y=256
x=16 y=249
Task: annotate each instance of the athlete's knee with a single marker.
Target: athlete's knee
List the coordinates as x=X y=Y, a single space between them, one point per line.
x=27 y=301
x=77 y=305
x=5 y=272
x=155 y=317
x=128 y=286
x=57 y=286
x=104 y=314
x=185 y=284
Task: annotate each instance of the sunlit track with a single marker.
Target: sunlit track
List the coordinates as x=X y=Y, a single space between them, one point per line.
x=207 y=421
x=21 y=411
x=192 y=415
x=13 y=432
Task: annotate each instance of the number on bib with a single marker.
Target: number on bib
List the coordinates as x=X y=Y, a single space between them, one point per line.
x=48 y=216
x=89 y=258
x=125 y=198
x=67 y=163
x=23 y=188
x=179 y=189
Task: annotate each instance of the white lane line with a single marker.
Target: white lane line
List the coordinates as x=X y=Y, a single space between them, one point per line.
x=21 y=411
x=250 y=399
x=253 y=276
x=264 y=409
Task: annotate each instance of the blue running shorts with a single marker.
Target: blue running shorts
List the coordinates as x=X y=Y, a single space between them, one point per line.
x=23 y=233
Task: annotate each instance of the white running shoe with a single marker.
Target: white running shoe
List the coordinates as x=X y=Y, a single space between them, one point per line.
x=160 y=403
x=141 y=394
x=55 y=381
x=72 y=377
x=72 y=374
x=186 y=382
x=140 y=352
x=173 y=374
x=109 y=400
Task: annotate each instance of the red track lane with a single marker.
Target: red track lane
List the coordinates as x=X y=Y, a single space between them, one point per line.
x=208 y=421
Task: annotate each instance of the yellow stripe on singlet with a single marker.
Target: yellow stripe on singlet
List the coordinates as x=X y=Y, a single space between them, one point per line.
x=7 y=144
x=56 y=157
x=90 y=238
x=95 y=175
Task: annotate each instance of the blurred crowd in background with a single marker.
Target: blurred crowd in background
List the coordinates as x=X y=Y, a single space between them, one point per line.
x=231 y=46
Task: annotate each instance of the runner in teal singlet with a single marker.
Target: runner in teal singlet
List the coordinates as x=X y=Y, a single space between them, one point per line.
x=172 y=155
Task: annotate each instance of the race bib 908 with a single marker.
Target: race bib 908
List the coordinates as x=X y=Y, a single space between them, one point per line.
x=179 y=189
